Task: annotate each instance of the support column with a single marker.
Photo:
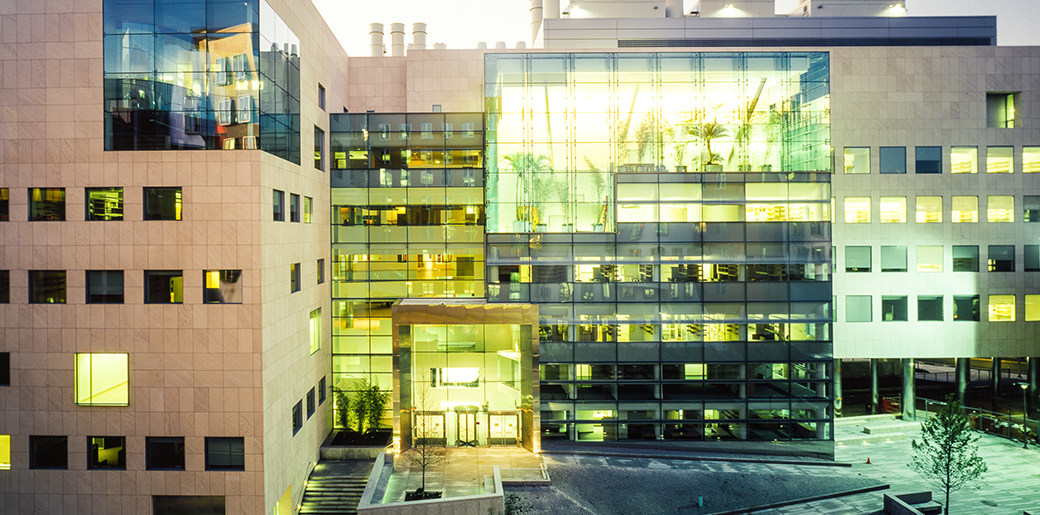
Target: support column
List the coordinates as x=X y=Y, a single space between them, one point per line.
x=995 y=376
x=1033 y=367
x=837 y=388
x=963 y=372
x=875 y=397
x=907 y=399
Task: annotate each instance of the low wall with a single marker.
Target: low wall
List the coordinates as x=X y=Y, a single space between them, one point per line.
x=489 y=503
x=350 y=453
x=896 y=506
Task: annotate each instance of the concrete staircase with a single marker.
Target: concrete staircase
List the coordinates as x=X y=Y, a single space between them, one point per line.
x=872 y=428
x=334 y=487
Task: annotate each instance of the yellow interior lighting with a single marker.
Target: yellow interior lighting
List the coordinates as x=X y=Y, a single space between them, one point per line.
x=103 y=379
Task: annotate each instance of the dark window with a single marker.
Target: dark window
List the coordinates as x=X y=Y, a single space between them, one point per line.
x=104 y=286
x=104 y=204
x=297 y=417
x=319 y=149
x=1031 y=258
x=294 y=207
x=5 y=369
x=48 y=452
x=222 y=286
x=893 y=308
x=5 y=205
x=321 y=97
x=189 y=504
x=857 y=259
x=278 y=208
x=164 y=453
x=225 y=453
x=893 y=258
x=321 y=390
x=966 y=308
x=929 y=308
x=928 y=159
x=965 y=258
x=162 y=204
x=310 y=403
x=5 y=286
x=892 y=159
x=1001 y=258
x=321 y=271
x=46 y=204
x=163 y=286
x=46 y=286
x=1000 y=110
x=1031 y=208
x=294 y=278
x=106 y=452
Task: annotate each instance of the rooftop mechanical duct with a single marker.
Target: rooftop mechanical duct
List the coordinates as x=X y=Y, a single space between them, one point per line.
x=375 y=46
x=397 y=39
x=536 y=19
x=418 y=36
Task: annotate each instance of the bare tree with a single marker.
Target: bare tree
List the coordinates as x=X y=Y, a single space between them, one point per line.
x=947 y=455
x=425 y=452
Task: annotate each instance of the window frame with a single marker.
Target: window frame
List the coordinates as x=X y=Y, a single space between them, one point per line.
x=88 y=359
x=92 y=461
x=321 y=271
x=294 y=208
x=888 y=156
x=215 y=295
x=312 y=405
x=278 y=205
x=37 y=276
x=957 y=260
x=922 y=300
x=231 y=456
x=146 y=287
x=55 y=214
x=928 y=166
x=88 y=205
x=294 y=278
x=850 y=311
x=886 y=258
x=107 y=277
x=35 y=441
x=895 y=301
x=296 y=417
x=858 y=156
x=150 y=443
x=178 y=203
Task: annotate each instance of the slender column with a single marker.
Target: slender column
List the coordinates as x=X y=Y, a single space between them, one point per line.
x=1033 y=366
x=995 y=373
x=875 y=397
x=962 y=372
x=837 y=388
x=907 y=400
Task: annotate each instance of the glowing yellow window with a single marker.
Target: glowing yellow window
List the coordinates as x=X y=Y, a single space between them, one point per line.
x=929 y=210
x=1032 y=309
x=1000 y=159
x=315 y=330
x=5 y=452
x=103 y=379
x=1001 y=308
x=929 y=258
x=965 y=209
x=857 y=210
x=857 y=159
x=893 y=210
x=964 y=160
x=1000 y=209
x=1030 y=159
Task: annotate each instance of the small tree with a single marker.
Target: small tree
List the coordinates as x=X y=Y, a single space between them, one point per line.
x=343 y=409
x=947 y=455
x=423 y=452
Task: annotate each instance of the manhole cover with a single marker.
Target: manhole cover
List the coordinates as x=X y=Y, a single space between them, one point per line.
x=989 y=503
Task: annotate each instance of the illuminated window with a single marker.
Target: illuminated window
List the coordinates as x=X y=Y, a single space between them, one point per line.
x=1031 y=208
x=893 y=160
x=929 y=210
x=929 y=258
x=1032 y=315
x=5 y=205
x=1000 y=159
x=929 y=308
x=966 y=308
x=47 y=286
x=164 y=453
x=222 y=286
x=225 y=453
x=104 y=286
x=103 y=379
x=964 y=160
x=857 y=259
x=294 y=278
x=1001 y=308
x=1000 y=110
x=162 y=204
x=857 y=308
x=1030 y=159
x=893 y=308
x=106 y=452
x=104 y=204
x=48 y=452
x=1001 y=258
x=1000 y=209
x=965 y=258
x=857 y=210
x=893 y=258
x=857 y=159
x=46 y=204
x=308 y=207
x=964 y=209
x=163 y=287
x=294 y=208
x=928 y=159
x=5 y=452
x=315 y=330
x=893 y=210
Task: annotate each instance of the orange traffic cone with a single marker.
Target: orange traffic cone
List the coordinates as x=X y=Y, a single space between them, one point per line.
x=868 y=460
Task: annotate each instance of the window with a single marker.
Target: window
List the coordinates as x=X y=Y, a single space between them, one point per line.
x=929 y=210
x=857 y=308
x=46 y=204
x=106 y=452
x=893 y=308
x=1000 y=209
x=294 y=278
x=1000 y=159
x=225 y=453
x=222 y=286
x=857 y=159
x=857 y=210
x=966 y=308
x=857 y=259
x=965 y=258
x=104 y=204
x=321 y=271
x=1031 y=258
x=321 y=97
x=46 y=286
x=319 y=149
x=964 y=209
x=163 y=287
x=1030 y=160
x=278 y=203
x=1000 y=110
x=1001 y=308
x=48 y=452
x=928 y=159
x=893 y=258
x=188 y=504
x=102 y=379
x=297 y=417
x=5 y=369
x=310 y=403
x=929 y=308
x=104 y=286
x=5 y=286
x=308 y=206
x=5 y=452
x=929 y=258
x=1031 y=208
x=893 y=210
x=321 y=391
x=964 y=160
x=162 y=203
x=315 y=330
x=294 y=208
x=893 y=160
x=164 y=453
x=1032 y=313
x=1001 y=258
x=5 y=205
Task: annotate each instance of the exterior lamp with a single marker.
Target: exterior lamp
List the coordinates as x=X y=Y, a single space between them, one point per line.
x=1025 y=414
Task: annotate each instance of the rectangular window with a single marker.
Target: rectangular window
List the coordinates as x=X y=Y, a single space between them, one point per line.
x=1030 y=159
x=294 y=278
x=297 y=417
x=294 y=208
x=1031 y=258
x=964 y=209
x=893 y=210
x=278 y=205
x=893 y=308
x=965 y=258
x=1001 y=258
x=308 y=206
x=162 y=204
x=310 y=403
x=929 y=258
x=964 y=160
x=163 y=287
x=164 y=453
x=1031 y=208
x=1000 y=159
x=321 y=391
x=102 y=379
x=48 y=452
x=315 y=330
x=225 y=453
x=106 y=452
x=104 y=286
x=46 y=204
x=5 y=369
x=222 y=286
x=1001 y=308
x=1032 y=308
x=1000 y=208
x=929 y=210
x=928 y=159
x=929 y=308
x=189 y=504
x=321 y=97
x=47 y=287
x=1000 y=110
x=857 y=308
x=892 y=159
x=966 y=308
x=321 y=271
x=5 y=452
x=857 y=259
x=5 y=286
x=5 y=205
x=319 y=149
x=104 y=204
x=857 y=159
x=893 y=258
x=857 y=210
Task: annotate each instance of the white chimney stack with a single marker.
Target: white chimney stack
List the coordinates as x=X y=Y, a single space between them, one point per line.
x=482 y=45
x=418 y=36
x=501 y=45
x=397 y=39
x=536 y=19
x=375 y=46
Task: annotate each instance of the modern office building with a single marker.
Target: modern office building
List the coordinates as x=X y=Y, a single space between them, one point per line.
x=654 y=226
